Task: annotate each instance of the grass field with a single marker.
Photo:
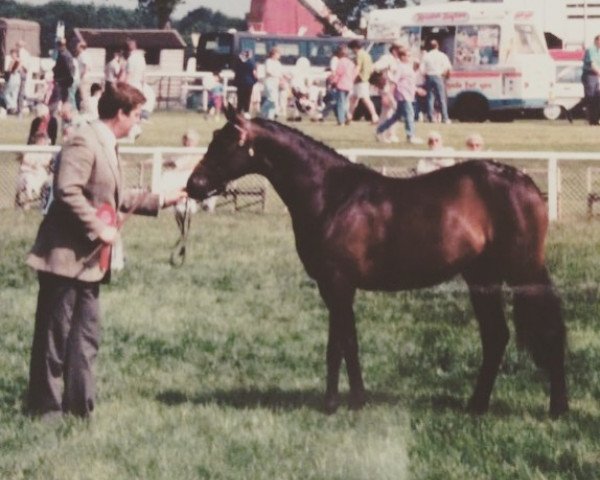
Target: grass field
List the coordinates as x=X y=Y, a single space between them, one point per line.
x=216 y=370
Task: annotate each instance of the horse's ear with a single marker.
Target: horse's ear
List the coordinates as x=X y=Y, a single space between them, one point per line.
x=230 y=113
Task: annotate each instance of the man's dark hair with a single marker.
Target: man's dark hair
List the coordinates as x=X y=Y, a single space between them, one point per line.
x=355 y=45
x=119 y=96
x=96 y=87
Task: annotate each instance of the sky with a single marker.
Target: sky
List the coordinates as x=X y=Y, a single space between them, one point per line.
x=234 y=8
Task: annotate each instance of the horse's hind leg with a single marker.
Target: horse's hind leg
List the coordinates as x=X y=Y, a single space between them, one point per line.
x=342 y=342
x=486 y=298
x=540 y=327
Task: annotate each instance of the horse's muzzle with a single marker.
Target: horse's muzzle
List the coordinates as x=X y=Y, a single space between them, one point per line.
x=199 y=188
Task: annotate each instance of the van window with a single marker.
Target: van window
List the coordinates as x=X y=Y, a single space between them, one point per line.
x=248 y=44
x=527 y=40
x=320 y=53
x=289 y=52
x=569 y=73
x=477 y=45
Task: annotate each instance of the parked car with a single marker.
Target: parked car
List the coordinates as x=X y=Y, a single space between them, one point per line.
x=567 y=91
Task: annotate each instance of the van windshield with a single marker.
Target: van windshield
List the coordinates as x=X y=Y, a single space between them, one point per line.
x=527 y=40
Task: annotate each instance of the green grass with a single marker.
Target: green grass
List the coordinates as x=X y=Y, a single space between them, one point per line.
x=216 y=370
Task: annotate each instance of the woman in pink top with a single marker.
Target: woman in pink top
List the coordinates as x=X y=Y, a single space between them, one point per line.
x=343 y=79
x=405 y=80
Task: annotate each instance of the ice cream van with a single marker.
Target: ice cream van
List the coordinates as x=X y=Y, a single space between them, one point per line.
x=501 y=65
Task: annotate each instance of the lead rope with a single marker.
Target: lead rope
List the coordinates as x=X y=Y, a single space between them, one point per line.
x=184 y=220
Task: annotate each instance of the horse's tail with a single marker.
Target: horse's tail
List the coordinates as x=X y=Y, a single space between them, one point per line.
x=520 y=226
x=538 y=320
x=540 y=327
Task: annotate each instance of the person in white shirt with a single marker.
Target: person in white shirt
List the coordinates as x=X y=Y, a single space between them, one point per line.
x=387 y=66
x=84 y=63
x=136 y=65
x=89 y=107
x=25 y=72
x=114 y=69
x=436 y=68
x=273 y=75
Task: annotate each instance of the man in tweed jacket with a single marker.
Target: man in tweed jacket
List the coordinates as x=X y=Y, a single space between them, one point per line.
x=66 y=254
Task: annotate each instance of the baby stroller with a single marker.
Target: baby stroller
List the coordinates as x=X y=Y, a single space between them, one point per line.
x=306 y=102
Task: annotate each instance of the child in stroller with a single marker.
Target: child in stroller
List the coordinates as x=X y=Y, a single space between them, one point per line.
x=306 y=98
x=307 y=101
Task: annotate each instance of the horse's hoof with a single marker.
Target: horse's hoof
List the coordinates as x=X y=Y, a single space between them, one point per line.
x=358 y=401
x=556 y=411
x=477 y=408
x=331 y=404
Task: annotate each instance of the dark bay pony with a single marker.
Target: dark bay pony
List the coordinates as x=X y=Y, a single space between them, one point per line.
x=355 y=228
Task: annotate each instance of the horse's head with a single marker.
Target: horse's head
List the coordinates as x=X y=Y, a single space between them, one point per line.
x=229 y=156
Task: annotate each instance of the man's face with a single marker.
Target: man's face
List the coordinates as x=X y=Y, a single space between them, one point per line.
x=126 y=122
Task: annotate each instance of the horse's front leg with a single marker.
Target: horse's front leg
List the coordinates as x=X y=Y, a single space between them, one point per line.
x=342 y=342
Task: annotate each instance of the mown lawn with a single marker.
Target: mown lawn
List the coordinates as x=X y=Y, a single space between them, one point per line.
x=216 y=370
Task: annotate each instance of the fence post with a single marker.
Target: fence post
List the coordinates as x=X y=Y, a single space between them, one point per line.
x=156 y=171
x=553 y=188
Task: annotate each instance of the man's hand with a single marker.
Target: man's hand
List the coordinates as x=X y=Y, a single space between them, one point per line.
x=108 y=234
x=173 y=197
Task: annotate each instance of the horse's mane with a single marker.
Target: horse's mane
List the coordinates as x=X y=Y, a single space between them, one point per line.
x=305 y=141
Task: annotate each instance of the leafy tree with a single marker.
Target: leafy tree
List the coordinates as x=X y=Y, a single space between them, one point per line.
x=73 y=16
x=161 y=9
x=350 y=11
x=89 y=16
x=202 y=20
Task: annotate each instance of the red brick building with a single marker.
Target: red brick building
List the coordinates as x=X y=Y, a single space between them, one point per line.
x=285 y=17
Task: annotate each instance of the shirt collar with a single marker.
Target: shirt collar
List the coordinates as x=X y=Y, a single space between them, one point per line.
x=107 y=135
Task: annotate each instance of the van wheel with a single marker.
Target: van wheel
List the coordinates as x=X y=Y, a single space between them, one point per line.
x=471 y=107
x=553 y=112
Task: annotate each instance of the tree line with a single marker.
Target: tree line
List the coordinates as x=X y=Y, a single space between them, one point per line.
x=90 y=16
x=155 y=14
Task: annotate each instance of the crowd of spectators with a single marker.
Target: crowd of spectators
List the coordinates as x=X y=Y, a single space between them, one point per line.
x=408 y=91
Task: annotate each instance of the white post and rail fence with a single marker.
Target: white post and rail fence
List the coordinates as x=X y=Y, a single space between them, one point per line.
x=569 y=180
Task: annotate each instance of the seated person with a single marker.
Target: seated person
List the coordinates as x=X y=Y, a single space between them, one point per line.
x=34 y=173
x=215 y=98
x=43 y=123
x=89 y=107
x=435 y=143
x=474 y=142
